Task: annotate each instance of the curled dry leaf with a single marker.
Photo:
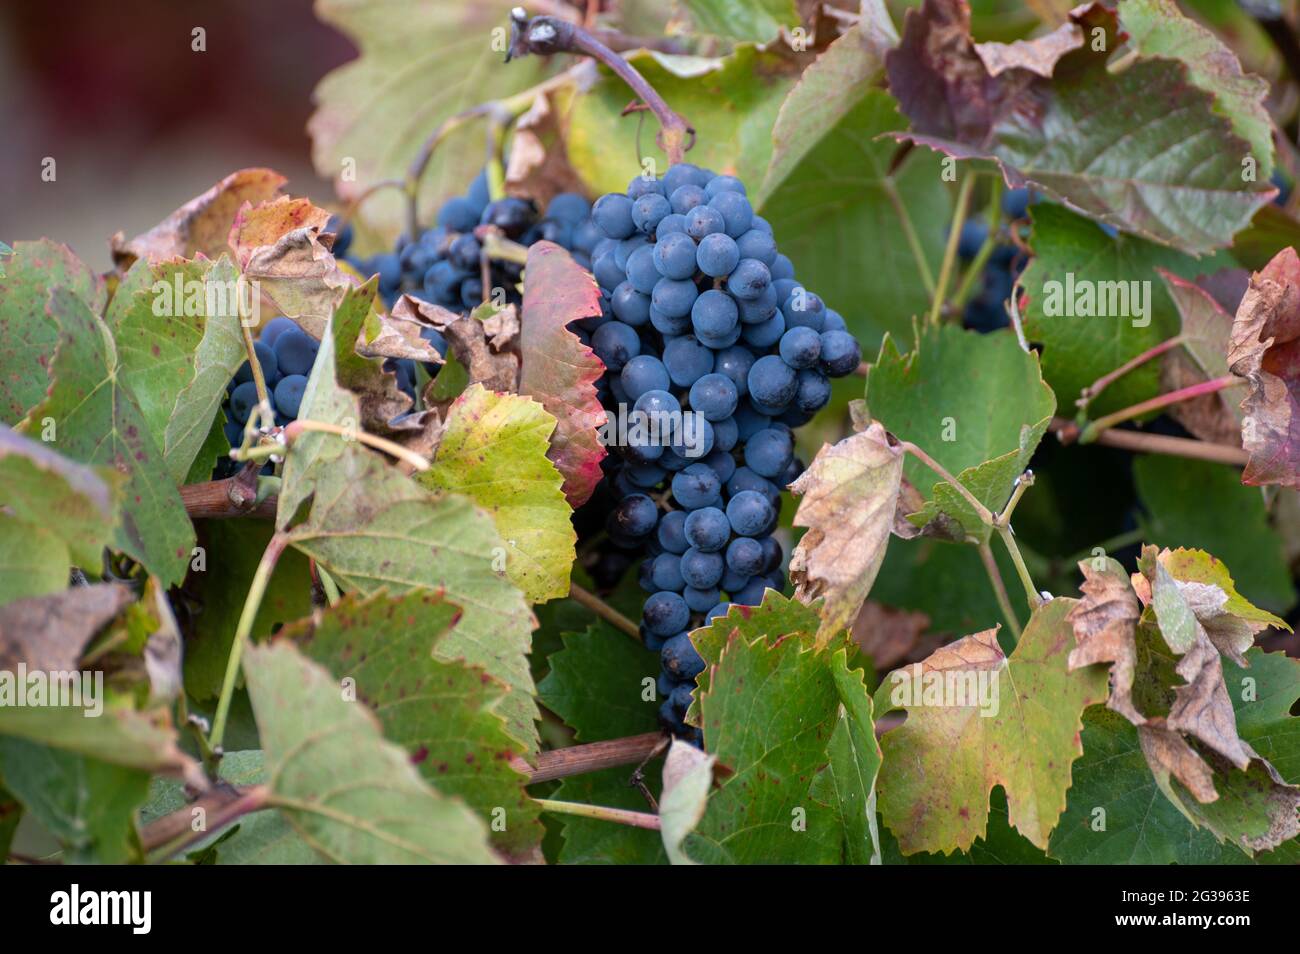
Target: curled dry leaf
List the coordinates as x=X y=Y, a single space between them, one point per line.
x=688 y=775
x=202 y=224
x=1037 y=56
x=538 y=167
x=278 y=246
x=1265 y=350
x=1105 y=622
x=850 y=498
x=49 y=633
x=486 y=341
x=1206 y=328
x=890 y=636
x=558 y=369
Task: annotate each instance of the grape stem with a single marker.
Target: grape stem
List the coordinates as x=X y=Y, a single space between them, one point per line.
x=976 y=268
x=1067 y=432
x=985 y=515
x=222 y=806
x=1031 y=592
x=549 y=35
x=259 y=379
x=621 y=816
x=1106 y=380
x=1090 y=432
x=591 y=757
x=232 y=497
x=294 y=428
x=243 y=631
x=602 y=609
x=909 y=233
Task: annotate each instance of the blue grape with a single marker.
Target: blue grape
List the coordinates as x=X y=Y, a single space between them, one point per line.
x=675 y=256
x=696 y=486
x=722 y=464
x=657 y=401
x=635 y=515
x=644 y=373
x=288 y=394
x=698 y=600
x=737 y=214
x=814 y=391
x=749 y=421
x=673 y=297
x=687 y=360
x=717 y=255
x=840 y=353
x=749 y=513
x=644 y=185
x=274 y=328
x=744 y=556
x=763 y=335
x=704 y=220
x=726 y=434
x=242 y=401
x=801 y=347
x=670 y=224
x=629 y=305
x=734 y=363
x=672 y=531
x=757 y=245
x=666 y=613
x=641 y=271
x=715 y=396
x=568 y=207
x=772 y=381
x=706 y=529
x=295 y=352
x=724 y=184
x=700 y=569
x=687 y=197
x=768 y=452
x=667 y=573
x=680 y=657
x=649 y=210
x=613 y=213
x=714 y=315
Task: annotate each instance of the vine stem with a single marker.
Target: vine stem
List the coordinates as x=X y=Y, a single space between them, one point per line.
x=1090 y=432
x=1023 y=483
x=999 y=589
x=621 y=816
x=975 y=270
x=173 y=833
x=950 y=250
x=548 y=35
x=243 y=630
x=1067 y=432
x=294 y=428
x=1031 y=592
x=259 y=380
x=589 y=757
x=591 y=601
x=1106 y=380
x=985 y=515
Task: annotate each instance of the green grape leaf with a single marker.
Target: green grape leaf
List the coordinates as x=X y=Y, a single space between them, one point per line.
x=1116 y=812
x=1156 y=28
x=232 y=550
x=598 y=684
x=769 y=713
x=758 y=21
x=28 y=335
x=950 y=398
x=968 y=729
x=839 y=205
x=75 y=503
x=177 y=329
x=378 y=811
x=371 y=526
x=1000 y=845
x=493 y=450
x=558 y=369
x=33 y=561
x=96 y=420
x=374 y=113
x=442 y=713
x=88 y=805
x=849 y=497
x=201 y=225
x=1203 y=505
x=1159 y=162
x=736 y=98
x=1124 y=309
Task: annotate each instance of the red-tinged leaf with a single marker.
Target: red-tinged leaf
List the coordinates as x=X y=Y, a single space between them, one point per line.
x=201 y=224
x=1159 y=161
x=1206 y=329
x=558 y=369
x=1265 y=350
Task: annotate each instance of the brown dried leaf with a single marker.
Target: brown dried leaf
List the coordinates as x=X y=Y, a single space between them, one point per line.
x=486 y=341
x=202 y=224
x=49 y=633
x=1207 y=329
x=1168 y=753
x=1105 y=622
x=538 y=167
x=1038 y=55
x=1265 y=350
x=850 y=498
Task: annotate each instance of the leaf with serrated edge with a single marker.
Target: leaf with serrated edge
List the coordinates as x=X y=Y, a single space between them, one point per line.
x=1265 y=350
x=949 y=398
x=1160 y=162
x=374 y=113
x=941 y=764
x=27 y=333
x=203 y=223
x=849 y=495
x=442 y=713
x=380 y=811
x=176 y=325
x=371 y=527
x=558 y=369
x=99 y=422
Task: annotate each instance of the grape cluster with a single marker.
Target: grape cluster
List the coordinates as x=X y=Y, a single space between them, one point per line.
x=702 y=323
x=443 y=265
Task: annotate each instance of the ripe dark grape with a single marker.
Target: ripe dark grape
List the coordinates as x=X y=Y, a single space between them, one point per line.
x=705 y=326
x=288 y=395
